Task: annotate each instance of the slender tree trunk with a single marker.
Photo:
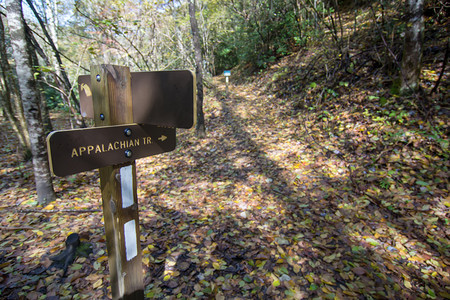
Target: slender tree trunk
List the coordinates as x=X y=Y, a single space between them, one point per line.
x=200 y=128
x=178 y=37
x=51 y=9
x=5 y=105
x=30 y=100
x=298 y=17
x=9 y=92
x=57 y=79
x=412 y=49
x=65 y=78
x=39 y=84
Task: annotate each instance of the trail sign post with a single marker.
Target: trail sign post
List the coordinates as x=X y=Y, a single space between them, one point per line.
x=115 y=143
x=161 y=98
x=227 y=75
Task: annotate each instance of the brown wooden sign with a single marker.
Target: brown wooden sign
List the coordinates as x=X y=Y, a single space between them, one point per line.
x=78 y=150
x=164 y=98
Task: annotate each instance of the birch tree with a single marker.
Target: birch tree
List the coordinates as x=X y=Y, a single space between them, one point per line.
x=9 y=95
x=30 y=100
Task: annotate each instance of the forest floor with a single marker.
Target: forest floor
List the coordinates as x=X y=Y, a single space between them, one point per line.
x=335 y=193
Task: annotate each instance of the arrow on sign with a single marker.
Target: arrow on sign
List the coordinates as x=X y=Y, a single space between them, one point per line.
x=162 y=138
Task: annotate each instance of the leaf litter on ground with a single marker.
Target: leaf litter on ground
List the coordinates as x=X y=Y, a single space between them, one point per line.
x=277 y=202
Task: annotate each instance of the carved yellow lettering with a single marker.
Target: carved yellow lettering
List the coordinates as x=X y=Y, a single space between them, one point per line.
x=116 y=145
x=103 y=148
x=89 y=149
x=74 y=152
x=97 y=149
x=130 y=144
x=81 y=150
x=123 y=144
x=110 y=147
x=136 y=142
x=149 y=140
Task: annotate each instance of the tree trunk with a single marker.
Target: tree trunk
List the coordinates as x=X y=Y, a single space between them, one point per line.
x=30 y=100
x=200 y=127
x=9 y=92
x=412 y=49
x=57 y=81
x=45 y=113
x=65 y=78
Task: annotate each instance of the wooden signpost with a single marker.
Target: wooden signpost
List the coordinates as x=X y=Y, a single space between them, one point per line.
x=161 y=98
x=129 y=125
x=227 y=74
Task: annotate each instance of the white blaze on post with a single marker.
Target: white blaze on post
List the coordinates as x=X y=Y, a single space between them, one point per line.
x=126 y=184
x=227 y=74
x=129 y=230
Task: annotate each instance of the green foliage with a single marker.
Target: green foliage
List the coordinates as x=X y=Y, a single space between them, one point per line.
x=385 y=183
x=54 y=99
x=269 y=32
x=226 y=57
x=84 y=249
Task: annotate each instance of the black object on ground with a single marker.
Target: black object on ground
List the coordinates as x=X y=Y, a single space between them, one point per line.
x=67 y=256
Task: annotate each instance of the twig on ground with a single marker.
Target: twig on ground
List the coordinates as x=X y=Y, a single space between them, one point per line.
x=45 y=211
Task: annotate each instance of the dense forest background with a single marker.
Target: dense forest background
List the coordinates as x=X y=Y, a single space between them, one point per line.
x=323 y=171
x=67 y=38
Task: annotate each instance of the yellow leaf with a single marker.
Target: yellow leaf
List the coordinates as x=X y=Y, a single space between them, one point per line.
x=146 y=260
x=330 y=258
x=49 y=207
x=93 y=277
x=327 y=279
x=310 y=278
x=167 y=277
x=102 y=258
x=349 y=293
x=407 y=284
x=416 y=258
x=98 y=283
x=40 y=233
x=260 y=264
x=170 y=261
x=175 y=274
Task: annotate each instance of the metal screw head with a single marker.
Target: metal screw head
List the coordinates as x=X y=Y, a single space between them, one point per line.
x=102 y=117
x=128 y=153
x=127 y=132
x=98 y=77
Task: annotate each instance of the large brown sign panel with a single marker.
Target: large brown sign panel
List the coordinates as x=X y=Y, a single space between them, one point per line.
x=164 y=98
x=78 y=150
